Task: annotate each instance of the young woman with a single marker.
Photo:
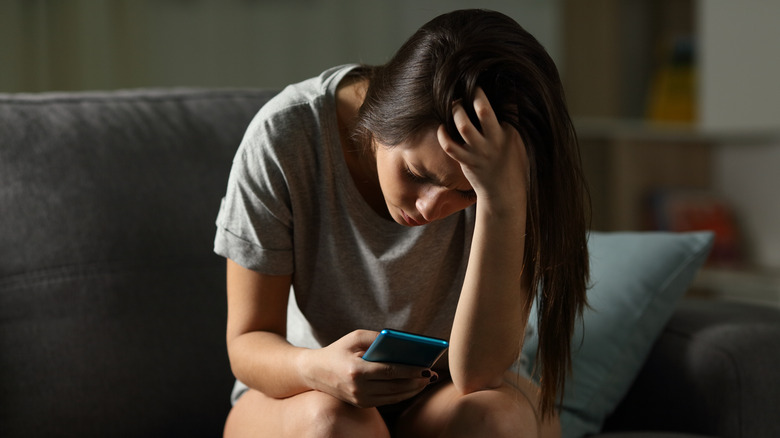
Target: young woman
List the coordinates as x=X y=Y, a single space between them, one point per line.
x=440 y=194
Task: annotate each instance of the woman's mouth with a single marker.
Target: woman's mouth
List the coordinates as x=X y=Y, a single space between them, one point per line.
x=411 y=222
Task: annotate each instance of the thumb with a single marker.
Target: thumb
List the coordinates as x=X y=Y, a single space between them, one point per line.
x=362 y=339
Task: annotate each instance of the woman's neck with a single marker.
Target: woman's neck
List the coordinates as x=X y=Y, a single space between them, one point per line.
x=360 y=160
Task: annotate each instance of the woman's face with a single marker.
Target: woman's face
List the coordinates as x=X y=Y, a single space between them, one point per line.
x=420 y=182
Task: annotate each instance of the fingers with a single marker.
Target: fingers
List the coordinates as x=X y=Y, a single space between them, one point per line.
x=451 y=147
x=346 y=376
x=487 y=117
x=397 y=389
x=382 y=383
x=389 y=371
x=393 y=378
x=476 y=143
x=491 y=128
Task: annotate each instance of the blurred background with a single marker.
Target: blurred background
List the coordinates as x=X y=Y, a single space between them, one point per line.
x=676 y=102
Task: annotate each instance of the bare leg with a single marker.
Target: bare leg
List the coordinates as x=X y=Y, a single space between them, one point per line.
x=310 y=414
x=508 y=411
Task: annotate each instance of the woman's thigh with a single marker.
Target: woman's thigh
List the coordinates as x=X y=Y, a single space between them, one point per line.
x=510 y=410
x=308 y=414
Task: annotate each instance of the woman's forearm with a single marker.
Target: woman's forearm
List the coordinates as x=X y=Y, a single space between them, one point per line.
x=490 y=319
x=259 y=354
x=267 y=362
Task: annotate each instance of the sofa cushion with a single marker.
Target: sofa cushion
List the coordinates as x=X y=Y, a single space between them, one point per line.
x=636 y=281
x=713 y=371
x=112 y=305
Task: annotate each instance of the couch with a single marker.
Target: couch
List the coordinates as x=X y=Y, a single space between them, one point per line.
x=112 y=306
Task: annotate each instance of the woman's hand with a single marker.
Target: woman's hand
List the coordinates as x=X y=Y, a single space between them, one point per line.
x=494 y=160
x=340 y=371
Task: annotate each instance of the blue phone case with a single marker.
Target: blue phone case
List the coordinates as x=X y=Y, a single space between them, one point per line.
x=394 y=346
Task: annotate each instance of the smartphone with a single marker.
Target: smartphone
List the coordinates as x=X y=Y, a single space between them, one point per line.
x=394 y=346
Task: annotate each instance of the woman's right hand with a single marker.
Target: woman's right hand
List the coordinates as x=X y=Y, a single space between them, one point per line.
x=339 y=370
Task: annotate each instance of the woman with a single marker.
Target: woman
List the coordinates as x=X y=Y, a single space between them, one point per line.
x=435 y=194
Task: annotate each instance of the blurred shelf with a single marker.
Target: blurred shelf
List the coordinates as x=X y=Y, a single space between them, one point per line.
x=628 y=129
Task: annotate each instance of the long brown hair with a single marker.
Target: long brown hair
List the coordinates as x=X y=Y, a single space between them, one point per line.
x=447 y=60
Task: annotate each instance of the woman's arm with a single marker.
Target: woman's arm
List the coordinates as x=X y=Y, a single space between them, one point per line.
x=256 y=329
x=490 y=319
x=261 y=357
x=491 y=316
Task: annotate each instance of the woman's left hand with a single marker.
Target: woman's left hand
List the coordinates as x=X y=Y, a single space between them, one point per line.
x=495 y=160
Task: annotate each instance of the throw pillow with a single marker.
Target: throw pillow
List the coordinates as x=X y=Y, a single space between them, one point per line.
x=637 y=279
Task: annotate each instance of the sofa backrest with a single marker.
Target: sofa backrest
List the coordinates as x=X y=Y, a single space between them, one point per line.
x=112 y=304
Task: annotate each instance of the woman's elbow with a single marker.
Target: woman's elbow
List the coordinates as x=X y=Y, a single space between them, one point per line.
x=466 y=383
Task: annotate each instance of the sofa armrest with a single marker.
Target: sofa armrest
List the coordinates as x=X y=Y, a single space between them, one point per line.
x=713 y=371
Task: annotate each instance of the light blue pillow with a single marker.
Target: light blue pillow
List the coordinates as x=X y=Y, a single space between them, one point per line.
x=637 y=278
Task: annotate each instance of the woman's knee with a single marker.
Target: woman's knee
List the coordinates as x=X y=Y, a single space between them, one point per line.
x=310 y=414
x=327 y=416
x=494 y=414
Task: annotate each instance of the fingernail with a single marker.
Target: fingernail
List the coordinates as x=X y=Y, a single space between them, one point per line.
x=434 y=378
x=426 y=373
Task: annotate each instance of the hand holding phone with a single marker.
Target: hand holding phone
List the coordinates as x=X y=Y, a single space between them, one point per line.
x=338 y=369
x=395 y=346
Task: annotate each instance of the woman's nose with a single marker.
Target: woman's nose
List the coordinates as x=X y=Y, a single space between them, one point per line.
x=433 y=203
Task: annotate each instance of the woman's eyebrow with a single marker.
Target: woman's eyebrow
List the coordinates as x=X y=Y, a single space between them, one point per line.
x=430 y=176
x=436 y=179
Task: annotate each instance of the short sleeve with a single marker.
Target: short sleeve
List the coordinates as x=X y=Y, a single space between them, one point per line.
x=254 y=224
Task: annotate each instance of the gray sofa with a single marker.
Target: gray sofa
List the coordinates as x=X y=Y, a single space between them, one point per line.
x=112 y=307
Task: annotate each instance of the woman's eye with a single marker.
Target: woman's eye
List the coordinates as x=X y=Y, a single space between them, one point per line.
x=415 y=177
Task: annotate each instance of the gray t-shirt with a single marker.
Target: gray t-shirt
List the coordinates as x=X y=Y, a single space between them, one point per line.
x=292 y=208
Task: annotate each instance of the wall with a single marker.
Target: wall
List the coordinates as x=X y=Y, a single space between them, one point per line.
x=739 y=64
x=739 y=93
x=747 y=174
x=108 y=44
